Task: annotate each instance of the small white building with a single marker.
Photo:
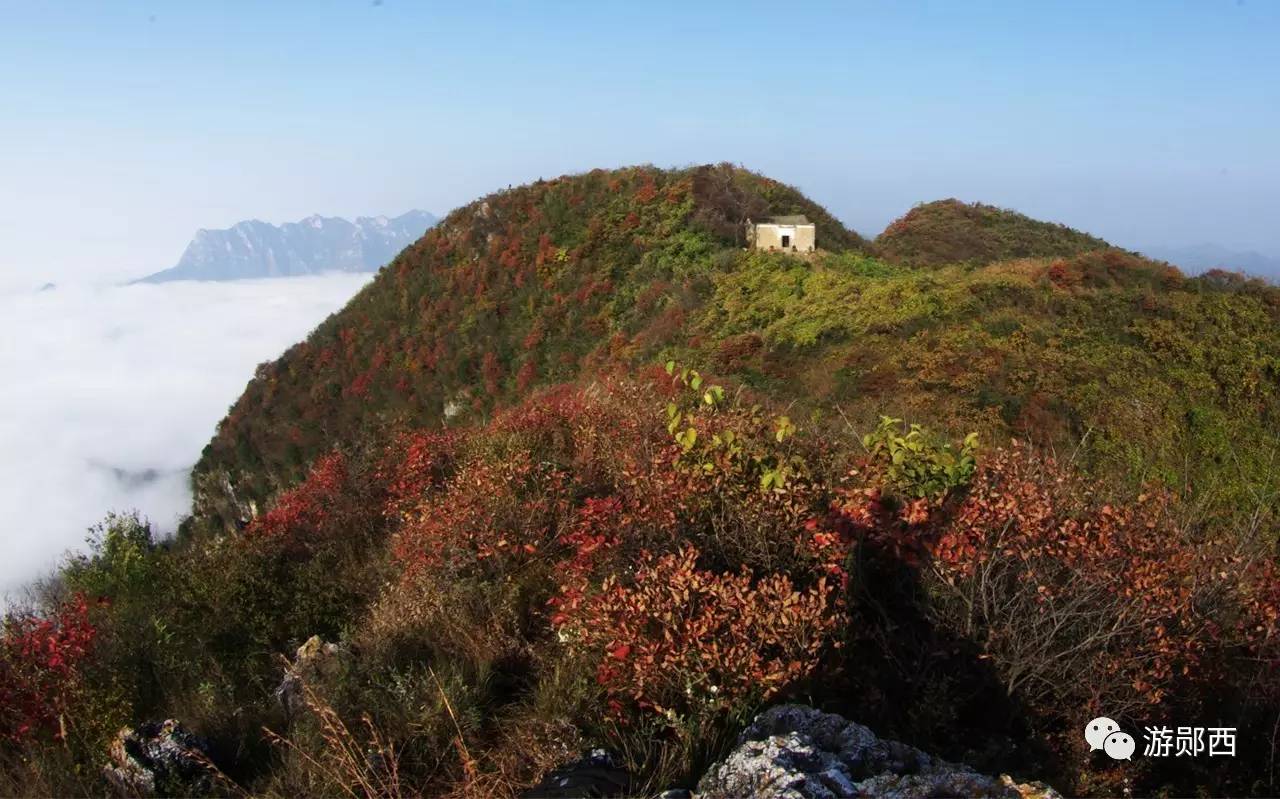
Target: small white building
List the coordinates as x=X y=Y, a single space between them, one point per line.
x=793 y=233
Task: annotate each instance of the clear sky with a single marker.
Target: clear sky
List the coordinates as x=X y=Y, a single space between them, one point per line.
x=124 y=126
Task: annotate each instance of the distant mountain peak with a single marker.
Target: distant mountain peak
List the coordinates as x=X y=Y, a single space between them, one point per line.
x=253 y=248
x=1207 y=255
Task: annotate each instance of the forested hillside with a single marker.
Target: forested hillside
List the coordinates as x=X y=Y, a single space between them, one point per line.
x=1149 y=374
x=521 y=288
x=577 y=470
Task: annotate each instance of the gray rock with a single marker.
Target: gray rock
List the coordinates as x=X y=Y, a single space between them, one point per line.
x=596 y=774
x=797 y=752
x=315 y=659
x=160 y=759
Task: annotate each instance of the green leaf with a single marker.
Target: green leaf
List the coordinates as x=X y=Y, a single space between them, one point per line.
x=690 y=437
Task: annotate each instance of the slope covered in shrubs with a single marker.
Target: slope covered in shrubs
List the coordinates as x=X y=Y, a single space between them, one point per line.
x=642 y=562
x=524 y=537
x=952 y=232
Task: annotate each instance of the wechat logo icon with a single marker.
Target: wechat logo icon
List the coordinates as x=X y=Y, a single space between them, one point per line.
x=1103 y=733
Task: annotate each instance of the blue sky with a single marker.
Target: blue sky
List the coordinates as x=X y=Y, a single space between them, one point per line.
x=124 y=126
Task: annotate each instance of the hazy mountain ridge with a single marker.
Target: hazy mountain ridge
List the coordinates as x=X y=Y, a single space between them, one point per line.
x=1206 y=256
x=254 y=249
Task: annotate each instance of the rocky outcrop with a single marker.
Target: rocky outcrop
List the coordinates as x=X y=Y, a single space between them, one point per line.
x=597 y=773
x=315 y=659
x=160 y=759
x=797 y=752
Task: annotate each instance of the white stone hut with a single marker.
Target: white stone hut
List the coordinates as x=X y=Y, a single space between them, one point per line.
x=793 y=233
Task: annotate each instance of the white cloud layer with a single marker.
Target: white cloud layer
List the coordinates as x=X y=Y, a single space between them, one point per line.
x=108 y=394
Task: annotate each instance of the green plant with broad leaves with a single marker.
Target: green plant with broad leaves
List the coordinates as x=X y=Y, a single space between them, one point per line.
x=917 y=463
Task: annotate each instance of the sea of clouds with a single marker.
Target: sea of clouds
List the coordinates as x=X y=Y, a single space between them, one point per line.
x=108 y=395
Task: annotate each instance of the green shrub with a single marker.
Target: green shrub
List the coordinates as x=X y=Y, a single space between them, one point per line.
x=920 y=464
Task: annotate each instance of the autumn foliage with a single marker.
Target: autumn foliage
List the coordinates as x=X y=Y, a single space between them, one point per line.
x=622 y=529
x=500 y=481
x=411 y=465
x=304 y=508
x=950 y=231
x=681 y=641
x=40 y=670
x=704 y=568
x=647 y=558
x=1082 y=605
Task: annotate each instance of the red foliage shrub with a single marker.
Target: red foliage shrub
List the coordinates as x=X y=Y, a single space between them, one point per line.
x=591 y=535
x=325 y=358
x=306 y=506
x=510 y=255
x=546 y=250
x=1125 y=583
x=349 y=338
x=1061 y=274
x=360 y=385
x=664 y=328
x=413 y=464
x=648 y=299
x=536 y=333
x=40 y=661
x=679 y=639
x=1053 y=585
x=491 y=516
x=525 y=376
x=491 y=372
x=647 y=190
x=736 y=351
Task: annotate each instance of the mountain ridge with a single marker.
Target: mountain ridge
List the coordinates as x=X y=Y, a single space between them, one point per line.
x=255 y=249
x=577 y=469
x=1209 y=255
x=537 y=284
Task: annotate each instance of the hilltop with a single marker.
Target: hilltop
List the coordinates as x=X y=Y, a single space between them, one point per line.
x=254 y=249
x=579 y=470
x=518 y=289
x=952 y=232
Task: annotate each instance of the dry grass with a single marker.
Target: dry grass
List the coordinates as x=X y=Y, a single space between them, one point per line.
x=368 y=768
